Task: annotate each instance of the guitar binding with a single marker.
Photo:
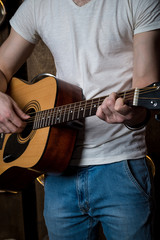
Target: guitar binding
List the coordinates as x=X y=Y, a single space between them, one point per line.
x=41 y=76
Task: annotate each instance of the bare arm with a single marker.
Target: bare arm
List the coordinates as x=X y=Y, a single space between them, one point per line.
x=145 y=71
x=146 y=58
x=13 y=53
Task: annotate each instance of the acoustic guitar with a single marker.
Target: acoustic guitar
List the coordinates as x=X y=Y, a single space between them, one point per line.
x=56 y=109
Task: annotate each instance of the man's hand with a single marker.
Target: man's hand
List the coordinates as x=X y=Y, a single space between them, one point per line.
x=12 y=118
x=114 y=110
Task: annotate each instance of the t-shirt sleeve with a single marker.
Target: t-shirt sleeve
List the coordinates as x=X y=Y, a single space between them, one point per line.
x=146 y=15
x=23 y=21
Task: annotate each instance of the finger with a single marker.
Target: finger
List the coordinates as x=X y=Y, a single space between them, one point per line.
x=19 y=112
x=109 y=103
x=4 y=129
x=105 y=114
x=15 y=122
x=100 y=113
x=17 y=118
x=11 y=121
x=122 y=108
x=106 y=109
x=9 y=127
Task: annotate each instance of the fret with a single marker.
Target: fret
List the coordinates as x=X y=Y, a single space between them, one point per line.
x=88 y=105
x=76 y=110
x=39 y=114
x=70 y=112
x=95 y=105
x=45 y=118
x=128 y=96
x=74 y=107
x=90 y=111
x=58 y=115
x=53 y=116
x=66 y=112
x=42 y=119
x=84 y=110
x=78 y=113
x=50 y=116
x=35 y=123
x=68 y=109
x=100 y=100
x=81 y=110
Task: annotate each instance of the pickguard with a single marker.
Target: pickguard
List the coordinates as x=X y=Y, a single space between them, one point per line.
x=14 y=149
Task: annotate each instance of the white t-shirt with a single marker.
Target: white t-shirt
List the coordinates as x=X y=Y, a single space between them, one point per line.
x=92 y=47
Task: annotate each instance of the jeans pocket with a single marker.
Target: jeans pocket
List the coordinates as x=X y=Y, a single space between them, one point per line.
x=139 y=175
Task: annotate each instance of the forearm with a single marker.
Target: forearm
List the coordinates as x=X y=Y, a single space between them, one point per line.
x=146 y=70
x=3 y=82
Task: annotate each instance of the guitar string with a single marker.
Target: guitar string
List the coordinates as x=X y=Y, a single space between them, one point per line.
x=86 y=104
x=89 y=102
x=55 y=111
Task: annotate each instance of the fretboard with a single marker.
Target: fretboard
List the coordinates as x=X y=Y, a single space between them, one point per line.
x=73 y=111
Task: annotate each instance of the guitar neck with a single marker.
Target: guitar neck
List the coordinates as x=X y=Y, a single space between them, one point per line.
x=147 y=97
x=75 y=111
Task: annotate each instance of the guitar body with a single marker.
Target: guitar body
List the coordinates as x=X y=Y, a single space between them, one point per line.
x=27 y=155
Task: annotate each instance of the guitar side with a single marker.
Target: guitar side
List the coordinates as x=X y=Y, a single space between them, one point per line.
x=61 y=141
x=25 y=156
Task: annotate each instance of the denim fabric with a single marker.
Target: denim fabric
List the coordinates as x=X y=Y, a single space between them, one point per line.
x=118 y=195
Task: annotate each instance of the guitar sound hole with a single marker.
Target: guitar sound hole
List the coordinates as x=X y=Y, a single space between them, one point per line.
x=28 y=129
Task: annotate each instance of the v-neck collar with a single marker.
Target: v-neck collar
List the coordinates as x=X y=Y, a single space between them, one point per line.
x=83 y=6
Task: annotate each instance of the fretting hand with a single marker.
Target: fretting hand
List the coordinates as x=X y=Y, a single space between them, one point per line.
x=115 y=110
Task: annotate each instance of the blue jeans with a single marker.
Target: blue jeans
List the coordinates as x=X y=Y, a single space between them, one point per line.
x=118 y=195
